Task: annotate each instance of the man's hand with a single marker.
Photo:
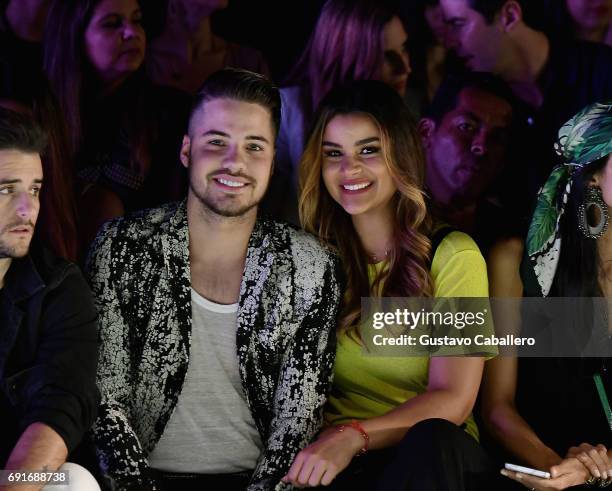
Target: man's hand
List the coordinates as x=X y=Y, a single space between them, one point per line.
x=570 y=472
x=319 y=463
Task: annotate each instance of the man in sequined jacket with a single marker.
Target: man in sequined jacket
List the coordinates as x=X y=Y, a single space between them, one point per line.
x=216 y=325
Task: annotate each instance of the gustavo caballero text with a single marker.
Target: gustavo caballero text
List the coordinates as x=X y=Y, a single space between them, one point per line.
x=428 y=340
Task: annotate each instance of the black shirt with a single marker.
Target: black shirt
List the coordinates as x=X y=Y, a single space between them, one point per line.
x=48 y=350
x=559 y=400
x=114 y=125
x=557 y=396
x=577 y=74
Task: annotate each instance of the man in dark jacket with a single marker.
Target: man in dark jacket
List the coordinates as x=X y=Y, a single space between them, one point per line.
x=48 y=339
x=552 y=79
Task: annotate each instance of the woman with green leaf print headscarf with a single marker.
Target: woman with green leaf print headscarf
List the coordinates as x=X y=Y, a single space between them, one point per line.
x=549 y=413
x=567 y=244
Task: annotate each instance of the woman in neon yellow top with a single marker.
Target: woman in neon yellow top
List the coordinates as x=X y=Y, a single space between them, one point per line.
x=361 y=176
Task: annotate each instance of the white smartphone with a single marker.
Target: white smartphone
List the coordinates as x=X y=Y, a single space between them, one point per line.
x=527 y=470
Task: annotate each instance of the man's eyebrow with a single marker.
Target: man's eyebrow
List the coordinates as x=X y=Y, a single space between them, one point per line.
x=216 y=133
x=504 y=126
x=472 y=115
x=226 y=135
x=16 y=181
x=467 y=114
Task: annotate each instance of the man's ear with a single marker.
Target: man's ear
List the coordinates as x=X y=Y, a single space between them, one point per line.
x=511 y=15
x=185 y=151
x=426 y=128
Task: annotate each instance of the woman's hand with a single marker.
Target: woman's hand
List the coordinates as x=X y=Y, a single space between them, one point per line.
x=570 y=472
x=595 y=459
x=320 y=462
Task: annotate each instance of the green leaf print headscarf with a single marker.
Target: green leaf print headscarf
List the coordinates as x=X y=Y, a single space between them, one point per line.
x=585 y=138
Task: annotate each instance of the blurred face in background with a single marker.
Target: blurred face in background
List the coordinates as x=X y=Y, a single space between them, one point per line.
x=20 y=183
x=436 y=23
x=396 y=64
x=477 y=43
x=115 y=39
x=590 y=14
x=466 y=149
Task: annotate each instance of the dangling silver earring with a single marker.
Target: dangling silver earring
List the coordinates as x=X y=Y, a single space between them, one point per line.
x=593 y=198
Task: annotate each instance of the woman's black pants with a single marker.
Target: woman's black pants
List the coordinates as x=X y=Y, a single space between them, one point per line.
x=435 y=455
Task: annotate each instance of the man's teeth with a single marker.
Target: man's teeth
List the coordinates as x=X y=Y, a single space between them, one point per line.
x=356 y=187
x=234 y=184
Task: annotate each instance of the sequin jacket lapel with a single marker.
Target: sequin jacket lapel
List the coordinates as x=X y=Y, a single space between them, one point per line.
x=139 y=270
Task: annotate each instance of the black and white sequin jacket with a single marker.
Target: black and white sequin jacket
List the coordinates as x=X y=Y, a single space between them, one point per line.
x=140 y=276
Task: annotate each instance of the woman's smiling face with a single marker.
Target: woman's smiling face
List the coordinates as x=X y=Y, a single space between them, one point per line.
x=355 y=172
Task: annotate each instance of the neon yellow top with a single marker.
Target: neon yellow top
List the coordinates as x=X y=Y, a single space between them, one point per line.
x=366 y=387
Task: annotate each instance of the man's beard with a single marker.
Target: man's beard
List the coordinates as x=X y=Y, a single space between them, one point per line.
x=230 y=210
x=227 y=211
x=14 y=252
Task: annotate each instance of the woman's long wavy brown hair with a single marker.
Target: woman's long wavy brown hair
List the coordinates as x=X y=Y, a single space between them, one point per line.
x=407 y=273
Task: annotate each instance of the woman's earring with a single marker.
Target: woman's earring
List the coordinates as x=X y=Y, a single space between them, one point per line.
x=593 y=199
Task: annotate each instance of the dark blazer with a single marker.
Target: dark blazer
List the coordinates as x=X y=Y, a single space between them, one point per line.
x=48 y=350
x=139 y=270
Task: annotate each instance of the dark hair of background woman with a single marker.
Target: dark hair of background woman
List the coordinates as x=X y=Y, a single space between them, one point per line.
x=72 y=78
x=579 y=262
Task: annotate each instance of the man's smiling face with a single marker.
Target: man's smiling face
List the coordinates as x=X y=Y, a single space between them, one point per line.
x=229 y=154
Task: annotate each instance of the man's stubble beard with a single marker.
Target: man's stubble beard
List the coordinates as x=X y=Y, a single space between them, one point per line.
x=12 y=252
x=209 y=205
x=214 y=208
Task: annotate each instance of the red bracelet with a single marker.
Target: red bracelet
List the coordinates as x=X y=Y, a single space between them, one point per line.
x=357 y=426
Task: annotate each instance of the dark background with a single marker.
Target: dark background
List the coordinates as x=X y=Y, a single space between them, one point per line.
x=280 y=29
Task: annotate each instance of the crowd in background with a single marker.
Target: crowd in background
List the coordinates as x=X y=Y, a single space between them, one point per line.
x=473 y=93
x=108 y=158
